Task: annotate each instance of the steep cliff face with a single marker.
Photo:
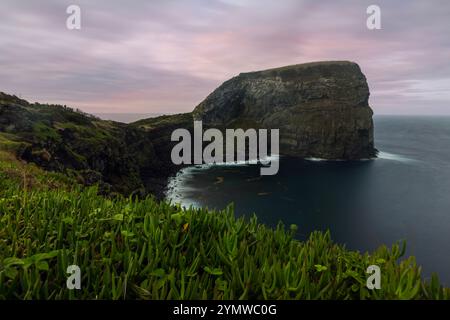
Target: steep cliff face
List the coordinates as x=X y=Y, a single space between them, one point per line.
x=320 y=108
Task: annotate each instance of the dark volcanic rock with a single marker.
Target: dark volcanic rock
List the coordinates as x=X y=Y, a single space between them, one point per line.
x=320 y=108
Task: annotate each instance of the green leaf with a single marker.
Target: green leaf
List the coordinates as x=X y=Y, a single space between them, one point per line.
x=13 y=262
x=68 y=220
x=127 y=234
x=127 y=209
x=221 y=285
x=118 y=217
x=44 y=256
x=11 y=273
x=320 y=268
x=158 y=273
x=178 y=217
x=213 y=271
x=42 y=265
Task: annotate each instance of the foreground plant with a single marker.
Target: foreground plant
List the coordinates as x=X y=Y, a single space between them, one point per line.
x=144 y=249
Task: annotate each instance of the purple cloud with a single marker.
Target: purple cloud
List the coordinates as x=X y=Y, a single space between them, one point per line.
x=167 y=56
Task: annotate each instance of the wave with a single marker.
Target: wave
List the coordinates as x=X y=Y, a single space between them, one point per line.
x=263 y=161
x=381 y=155
x=177 y=183
x=323 y=160
x=393 y=157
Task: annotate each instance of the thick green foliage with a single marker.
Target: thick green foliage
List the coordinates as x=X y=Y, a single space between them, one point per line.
x=143 y=249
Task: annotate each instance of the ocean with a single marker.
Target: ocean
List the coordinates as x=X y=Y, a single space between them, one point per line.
x=402 y=195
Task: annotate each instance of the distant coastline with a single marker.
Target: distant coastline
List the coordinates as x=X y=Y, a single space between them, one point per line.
x=126 y=117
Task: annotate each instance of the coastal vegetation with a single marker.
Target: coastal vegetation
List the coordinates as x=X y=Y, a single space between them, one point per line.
x=70 y=195
x=129 y=248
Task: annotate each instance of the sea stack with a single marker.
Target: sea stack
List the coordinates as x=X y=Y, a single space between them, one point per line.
x=321 y=108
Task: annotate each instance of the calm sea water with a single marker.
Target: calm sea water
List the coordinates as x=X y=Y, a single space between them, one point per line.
x=404 y=194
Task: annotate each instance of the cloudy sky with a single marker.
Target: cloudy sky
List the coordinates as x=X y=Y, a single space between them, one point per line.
x=166 y=56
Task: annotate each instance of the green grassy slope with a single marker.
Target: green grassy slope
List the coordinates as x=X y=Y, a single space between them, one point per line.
x=144 y=249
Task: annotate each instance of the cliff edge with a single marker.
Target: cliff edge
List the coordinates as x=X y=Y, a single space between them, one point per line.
x=321 y=108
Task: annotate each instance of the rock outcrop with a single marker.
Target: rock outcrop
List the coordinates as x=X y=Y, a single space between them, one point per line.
x=320 y=108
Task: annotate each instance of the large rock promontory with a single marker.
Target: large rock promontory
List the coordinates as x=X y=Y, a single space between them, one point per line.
x=321 y=108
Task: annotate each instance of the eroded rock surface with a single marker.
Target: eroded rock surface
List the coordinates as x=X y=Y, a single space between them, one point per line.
x=320 y=108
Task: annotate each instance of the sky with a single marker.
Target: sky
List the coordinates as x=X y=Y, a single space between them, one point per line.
x=155 y=56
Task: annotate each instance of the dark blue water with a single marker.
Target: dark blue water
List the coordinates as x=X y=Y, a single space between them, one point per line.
x=405 y=194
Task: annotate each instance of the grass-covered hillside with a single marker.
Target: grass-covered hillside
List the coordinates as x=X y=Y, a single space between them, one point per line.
x=120 y=158
x=144 y=249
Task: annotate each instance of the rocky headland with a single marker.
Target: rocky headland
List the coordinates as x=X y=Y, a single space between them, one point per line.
x=321 y=110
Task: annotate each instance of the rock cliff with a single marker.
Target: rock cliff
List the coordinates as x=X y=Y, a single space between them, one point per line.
x=321 y=108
